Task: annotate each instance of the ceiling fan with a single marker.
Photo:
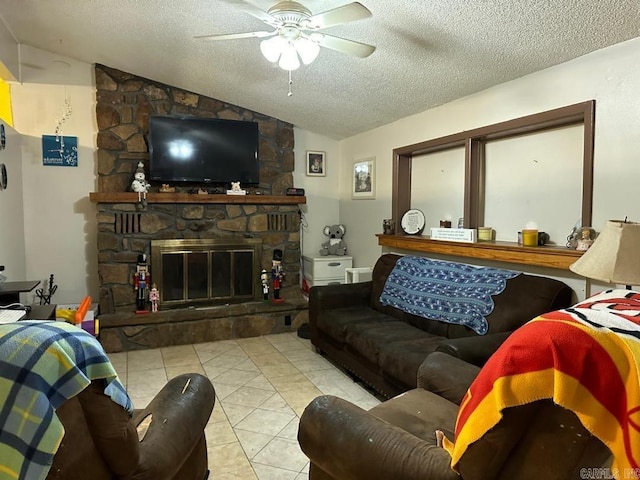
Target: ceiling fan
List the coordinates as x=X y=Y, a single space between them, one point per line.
x=296 y=34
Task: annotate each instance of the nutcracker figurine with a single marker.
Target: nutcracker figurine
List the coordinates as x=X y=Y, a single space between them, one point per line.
x=264 y=279
x=277 y=275
x=141 y=283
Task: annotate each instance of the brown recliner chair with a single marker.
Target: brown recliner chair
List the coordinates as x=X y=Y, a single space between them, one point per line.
x=396 y=439
x=101 y=440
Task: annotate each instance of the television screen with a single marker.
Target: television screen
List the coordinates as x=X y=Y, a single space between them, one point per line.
x=203 y=150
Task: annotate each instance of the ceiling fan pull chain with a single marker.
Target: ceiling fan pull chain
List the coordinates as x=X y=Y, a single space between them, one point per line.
x=290 y=93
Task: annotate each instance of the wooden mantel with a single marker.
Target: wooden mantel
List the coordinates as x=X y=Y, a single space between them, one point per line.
x=544 y=256
x=132 y=197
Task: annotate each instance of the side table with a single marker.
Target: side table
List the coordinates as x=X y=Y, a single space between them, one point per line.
x=10 y=291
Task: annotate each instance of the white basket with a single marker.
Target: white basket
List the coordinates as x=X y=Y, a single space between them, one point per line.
x=357 y=275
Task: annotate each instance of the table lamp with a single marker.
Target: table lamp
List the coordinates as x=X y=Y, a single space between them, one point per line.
x=614 y=256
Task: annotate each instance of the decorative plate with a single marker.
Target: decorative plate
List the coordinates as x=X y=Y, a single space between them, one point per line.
x=413 y=222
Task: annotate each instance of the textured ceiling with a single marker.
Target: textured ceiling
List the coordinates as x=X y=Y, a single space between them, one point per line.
x=428 y=53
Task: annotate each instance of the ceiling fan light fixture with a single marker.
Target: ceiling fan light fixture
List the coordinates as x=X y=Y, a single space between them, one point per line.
x=295 y=38
x=307 y=49
x=273 y=47
x=289 y=59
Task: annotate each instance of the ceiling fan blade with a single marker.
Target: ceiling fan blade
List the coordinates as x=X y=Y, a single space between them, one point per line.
x=234 y=36
x=357 y=49
x=346 y=13
x=254 y=11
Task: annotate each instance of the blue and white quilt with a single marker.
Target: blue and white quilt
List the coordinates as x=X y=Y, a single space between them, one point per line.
x=41 y=365
x=451 y=292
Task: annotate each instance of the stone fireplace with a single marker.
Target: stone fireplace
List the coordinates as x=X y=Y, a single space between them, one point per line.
x=222 y=237
x=128 y=229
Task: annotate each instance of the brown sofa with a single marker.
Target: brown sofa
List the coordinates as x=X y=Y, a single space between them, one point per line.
x=384 y=346
x=396 y=439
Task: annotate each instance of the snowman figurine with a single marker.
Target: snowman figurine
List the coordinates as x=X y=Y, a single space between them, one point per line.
x=140 y=184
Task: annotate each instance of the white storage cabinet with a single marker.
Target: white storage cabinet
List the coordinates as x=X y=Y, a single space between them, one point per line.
x=325 y=270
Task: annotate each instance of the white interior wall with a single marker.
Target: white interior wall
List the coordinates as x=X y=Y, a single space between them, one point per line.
x=525 y=177
x=12 y=244
x=610 y=76
x=437 y=183
x=60 y=222
x=529 y=176
x=9 y=54
x=321 y=192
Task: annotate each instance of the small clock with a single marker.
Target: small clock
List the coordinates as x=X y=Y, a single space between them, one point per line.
x=3 y=176
x=413 y=222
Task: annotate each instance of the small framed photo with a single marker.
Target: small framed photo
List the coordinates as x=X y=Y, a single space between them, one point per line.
x=364 y=179
x=316 y=164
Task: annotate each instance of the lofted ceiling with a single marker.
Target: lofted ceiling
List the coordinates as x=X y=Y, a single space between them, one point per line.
x=428 y=52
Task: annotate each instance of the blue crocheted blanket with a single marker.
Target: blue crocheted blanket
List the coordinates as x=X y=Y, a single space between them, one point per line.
x=447 y=291
x=41 y=365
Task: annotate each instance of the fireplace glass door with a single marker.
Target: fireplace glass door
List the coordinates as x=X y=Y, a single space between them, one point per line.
x=206 y=272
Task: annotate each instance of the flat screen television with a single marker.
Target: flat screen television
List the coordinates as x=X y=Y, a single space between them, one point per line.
x=203 y=150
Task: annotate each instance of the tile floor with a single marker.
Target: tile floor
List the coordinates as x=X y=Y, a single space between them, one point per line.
x=262 y=386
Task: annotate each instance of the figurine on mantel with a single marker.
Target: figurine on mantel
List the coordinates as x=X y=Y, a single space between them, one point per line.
x=166 y=188
x=139 y=184
x=236 y=190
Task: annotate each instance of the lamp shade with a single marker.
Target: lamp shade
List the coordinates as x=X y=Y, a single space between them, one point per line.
x=272 y=48
x=289 y=58
x=614 y=256
x=288 y=48
x=307 y=49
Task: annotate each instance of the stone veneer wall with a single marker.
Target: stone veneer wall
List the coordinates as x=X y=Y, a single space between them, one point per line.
x=124 y=104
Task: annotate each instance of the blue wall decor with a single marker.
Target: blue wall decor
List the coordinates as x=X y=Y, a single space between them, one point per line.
x=59 y=151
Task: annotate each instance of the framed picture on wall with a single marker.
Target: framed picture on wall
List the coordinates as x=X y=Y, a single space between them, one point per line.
x=363 y=183
x=316 y=164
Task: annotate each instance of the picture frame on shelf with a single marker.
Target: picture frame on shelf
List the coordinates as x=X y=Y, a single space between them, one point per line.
x=363 y=183
x=316 y=163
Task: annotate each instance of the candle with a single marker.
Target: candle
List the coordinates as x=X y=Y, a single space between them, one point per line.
x=485 y=234
x=530 y=237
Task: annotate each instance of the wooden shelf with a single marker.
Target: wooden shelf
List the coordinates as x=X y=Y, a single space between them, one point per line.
x=132 y=197
x=544 y=256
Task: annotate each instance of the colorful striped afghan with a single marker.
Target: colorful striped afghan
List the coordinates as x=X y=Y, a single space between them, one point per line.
x=42 y=364
x=585 y=358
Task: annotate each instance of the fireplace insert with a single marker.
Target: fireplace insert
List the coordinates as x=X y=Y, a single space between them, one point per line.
x=201 y=272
